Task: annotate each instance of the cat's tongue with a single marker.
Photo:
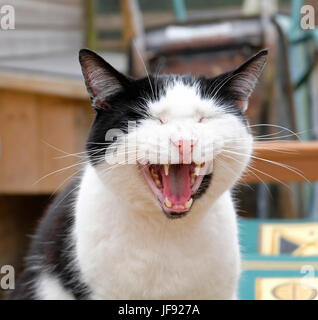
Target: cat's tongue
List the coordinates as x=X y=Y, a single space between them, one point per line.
x=177 y=185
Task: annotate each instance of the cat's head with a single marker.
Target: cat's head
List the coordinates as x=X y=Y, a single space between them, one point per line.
x=169 y=140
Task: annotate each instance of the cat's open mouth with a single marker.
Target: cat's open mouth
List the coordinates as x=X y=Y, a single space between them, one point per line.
x=174 y=185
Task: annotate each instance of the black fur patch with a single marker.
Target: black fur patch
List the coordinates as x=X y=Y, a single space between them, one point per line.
x=52 y=251
x=203 y=186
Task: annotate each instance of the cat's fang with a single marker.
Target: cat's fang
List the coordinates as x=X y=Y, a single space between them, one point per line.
x=166 y=167
x=168 y=203
x=197 y=169
x=192 y=179
x=188 y=204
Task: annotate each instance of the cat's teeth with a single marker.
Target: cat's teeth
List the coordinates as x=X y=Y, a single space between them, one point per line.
x=197 y=169
x=188 y=204
x=166 y=167
x=158 y=183
x=154 y=174
x=168 y=203
x=192 y=179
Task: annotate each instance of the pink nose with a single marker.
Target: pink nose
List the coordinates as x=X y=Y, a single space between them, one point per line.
x=184 y=146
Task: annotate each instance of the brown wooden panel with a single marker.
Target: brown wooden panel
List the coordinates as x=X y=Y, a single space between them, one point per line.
x=65 y=87
x=57 y=131
x=19 y=161
x=300 y=156
x=36 y=131
x=64 y=125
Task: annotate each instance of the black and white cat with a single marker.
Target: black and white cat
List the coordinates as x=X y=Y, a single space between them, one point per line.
x=160 y=227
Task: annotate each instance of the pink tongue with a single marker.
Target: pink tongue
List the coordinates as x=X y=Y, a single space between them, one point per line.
x=176 y=186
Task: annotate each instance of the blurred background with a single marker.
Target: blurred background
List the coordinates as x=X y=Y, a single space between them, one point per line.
x=45 y=113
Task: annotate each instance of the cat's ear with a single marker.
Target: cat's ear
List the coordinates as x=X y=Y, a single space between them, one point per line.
x=242 y=81
x=101 y=79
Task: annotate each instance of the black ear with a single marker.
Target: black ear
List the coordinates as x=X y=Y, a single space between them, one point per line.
x=240 y=83
x=101 y=79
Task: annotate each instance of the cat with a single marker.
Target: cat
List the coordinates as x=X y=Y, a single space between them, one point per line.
x=150 y=229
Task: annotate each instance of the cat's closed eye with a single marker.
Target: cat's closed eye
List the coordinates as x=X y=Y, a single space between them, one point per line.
x=159 y=120
x=204 y=119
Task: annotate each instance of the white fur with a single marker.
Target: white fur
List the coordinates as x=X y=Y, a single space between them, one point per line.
x=127 y=248
x=49 y=288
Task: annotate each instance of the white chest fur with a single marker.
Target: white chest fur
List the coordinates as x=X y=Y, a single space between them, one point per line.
x=124 y=254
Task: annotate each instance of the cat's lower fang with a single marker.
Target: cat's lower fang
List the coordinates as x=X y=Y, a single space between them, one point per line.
x=168 y=203
x=188 y=204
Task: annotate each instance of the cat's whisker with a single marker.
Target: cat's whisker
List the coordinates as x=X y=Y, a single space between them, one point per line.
x=265 y=147
x=60 y=170
x=102 y=143
x=270 y=176
x=86 y=154
x=249 y=171
x=279 y=132
x=224 y=165
x=66 y=154
x=273 y=134
x=69 y=193
x=292 y=169
x=264 y=173
x=144 y=65
x=263 y=138
x=65 y=180
x=114 y=166
x=277 y=126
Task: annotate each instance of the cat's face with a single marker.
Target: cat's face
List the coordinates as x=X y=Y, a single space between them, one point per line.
x=182 y=136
